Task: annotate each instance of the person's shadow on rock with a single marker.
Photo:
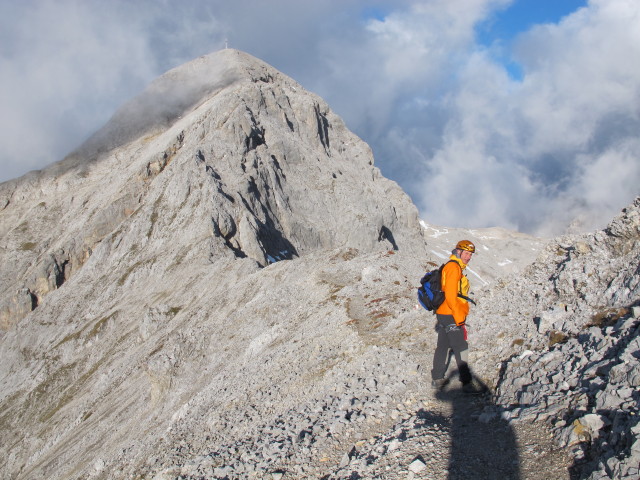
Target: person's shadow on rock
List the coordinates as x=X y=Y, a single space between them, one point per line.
x=483 y=445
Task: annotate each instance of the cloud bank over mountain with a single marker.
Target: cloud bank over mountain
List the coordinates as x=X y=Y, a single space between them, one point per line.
x=529 y=131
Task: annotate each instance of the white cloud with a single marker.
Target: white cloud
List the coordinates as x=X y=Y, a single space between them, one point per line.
x=536 y=154
x=410 y=55
x=67 y=65
x=59 y=70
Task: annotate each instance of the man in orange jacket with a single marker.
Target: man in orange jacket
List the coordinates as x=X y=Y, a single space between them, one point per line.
x=451 y=317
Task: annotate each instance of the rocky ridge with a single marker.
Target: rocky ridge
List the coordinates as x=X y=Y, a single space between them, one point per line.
x=580 y=372
x=227 y=290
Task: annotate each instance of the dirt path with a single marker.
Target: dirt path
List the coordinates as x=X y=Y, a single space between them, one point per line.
x=452 y=436
x=483 y=446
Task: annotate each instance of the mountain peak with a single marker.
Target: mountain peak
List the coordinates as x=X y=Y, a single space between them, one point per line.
x=173 y=95
x=223 y=154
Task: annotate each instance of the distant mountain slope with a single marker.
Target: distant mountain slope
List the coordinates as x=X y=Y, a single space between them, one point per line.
x=500 y=252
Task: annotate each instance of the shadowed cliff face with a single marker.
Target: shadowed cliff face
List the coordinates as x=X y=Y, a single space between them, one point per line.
x=223 y=264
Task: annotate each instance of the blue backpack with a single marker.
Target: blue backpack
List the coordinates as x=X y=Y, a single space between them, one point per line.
x=430 y=294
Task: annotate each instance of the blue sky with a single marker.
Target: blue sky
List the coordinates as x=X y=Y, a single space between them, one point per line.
x=505 y=24
x=524 y=111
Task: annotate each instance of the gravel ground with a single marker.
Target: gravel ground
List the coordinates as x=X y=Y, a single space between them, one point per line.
x=451 y=435
x=437 y=435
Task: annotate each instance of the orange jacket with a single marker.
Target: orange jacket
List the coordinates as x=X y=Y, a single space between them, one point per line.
x=453 y=283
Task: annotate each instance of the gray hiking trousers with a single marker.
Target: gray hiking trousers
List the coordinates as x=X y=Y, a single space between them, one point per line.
x=450 y=337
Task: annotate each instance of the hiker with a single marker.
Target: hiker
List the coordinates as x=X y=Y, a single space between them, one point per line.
x=451 y=316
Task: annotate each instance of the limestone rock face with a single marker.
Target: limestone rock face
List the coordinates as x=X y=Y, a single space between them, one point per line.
x=224 y=155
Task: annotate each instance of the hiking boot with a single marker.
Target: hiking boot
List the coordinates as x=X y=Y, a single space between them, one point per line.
x=472 y=389
x=438 y=384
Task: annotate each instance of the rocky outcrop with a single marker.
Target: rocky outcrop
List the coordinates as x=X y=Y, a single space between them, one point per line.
x=574 y=281
x=586 y=387
x=17 y=307
x=564 y=335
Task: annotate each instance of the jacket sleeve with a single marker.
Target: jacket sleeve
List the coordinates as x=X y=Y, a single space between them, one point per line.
x=451 y=276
